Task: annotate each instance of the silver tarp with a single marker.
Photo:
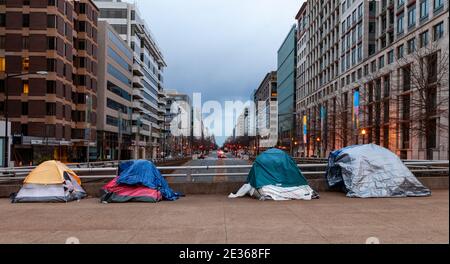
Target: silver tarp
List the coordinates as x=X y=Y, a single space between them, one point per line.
x=370 y=171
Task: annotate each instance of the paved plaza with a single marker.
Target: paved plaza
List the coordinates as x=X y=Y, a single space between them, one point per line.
x=216 y=219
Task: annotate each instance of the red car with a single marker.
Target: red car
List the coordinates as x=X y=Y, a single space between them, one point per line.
x=221 y=155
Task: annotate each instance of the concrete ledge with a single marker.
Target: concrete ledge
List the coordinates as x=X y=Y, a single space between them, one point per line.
x=222 y=188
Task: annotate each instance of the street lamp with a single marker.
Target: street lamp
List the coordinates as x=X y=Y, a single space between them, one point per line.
x=364 y=133
x=8 y=76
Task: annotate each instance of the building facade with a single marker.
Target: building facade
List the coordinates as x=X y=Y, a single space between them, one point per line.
x=52 y=116
x=286 y=87
x=178 y=111
x=390 y=85
x=148 y=70
x=115 y=95
x=264 y=97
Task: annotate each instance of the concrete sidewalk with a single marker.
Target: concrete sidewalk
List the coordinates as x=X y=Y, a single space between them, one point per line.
x=216 y=219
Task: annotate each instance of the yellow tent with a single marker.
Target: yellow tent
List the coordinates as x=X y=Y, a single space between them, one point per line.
x=50 y=172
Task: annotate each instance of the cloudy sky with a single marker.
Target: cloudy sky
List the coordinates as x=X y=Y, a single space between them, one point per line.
x=220 y=48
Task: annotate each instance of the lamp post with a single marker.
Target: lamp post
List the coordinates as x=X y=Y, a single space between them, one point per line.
x=364 y=133
x=7 y=76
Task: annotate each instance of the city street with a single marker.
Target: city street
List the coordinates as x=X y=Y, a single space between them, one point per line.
x=213 y=160
x=216 y=219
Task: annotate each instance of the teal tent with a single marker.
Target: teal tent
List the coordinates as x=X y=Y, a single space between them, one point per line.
x=276 y=176
x=275 y=167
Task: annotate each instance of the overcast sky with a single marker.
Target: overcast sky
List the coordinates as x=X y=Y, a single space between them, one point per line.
x=221 y=48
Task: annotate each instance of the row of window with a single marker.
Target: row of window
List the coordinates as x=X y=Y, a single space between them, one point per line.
x=120 y=44
x=119 y=75
x=423 y=13
x=119 y=60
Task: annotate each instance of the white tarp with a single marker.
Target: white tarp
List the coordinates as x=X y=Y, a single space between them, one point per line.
x=276 y=193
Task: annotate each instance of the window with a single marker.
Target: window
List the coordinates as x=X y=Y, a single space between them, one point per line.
x=372 y=27
x=373 y=66
x=2 y=42
x=50 y=109
x=353 y=56
x=400 y=2
x=360 y=10
x=423 y=9
x=372 y=7
x=51 y=87
x=2 y=65
x=113 y=13
x=390 y=57
x=82 y=8
x=26 y=20
x=82 y=44
x=81 y=26
x=359 y=53
x=25 y=87
x=424 y=39
x=372 y=49
x=51 y=65
x=24 y=108
x=400 y=24
x=24 y=129
x=412 y=16
x=411 y=45
x=118 y=59
x=51 y=21
x=400 y=51
x=359 y=30
x=51 y=43
x=381 y=62
x=438 y=31
x=25 y=64
x=119 y=91
x=2 y=20
x=25 y=43
x=120 y=29
x=438 y=4
x=118 y=75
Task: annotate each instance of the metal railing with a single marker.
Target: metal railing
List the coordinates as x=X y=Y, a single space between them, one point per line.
x=191 y=173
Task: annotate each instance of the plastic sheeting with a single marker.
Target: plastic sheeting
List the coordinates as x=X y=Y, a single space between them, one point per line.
x=276 y=193
x=144 y=172
x=371 y=171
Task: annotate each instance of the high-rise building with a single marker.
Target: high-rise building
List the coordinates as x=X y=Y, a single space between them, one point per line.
x=264 y=97
x=302 y=67
x=286 y=87
x=388 y=82
x=179 y=116
x=52 y=116
x=148 y=69
x=115 y=95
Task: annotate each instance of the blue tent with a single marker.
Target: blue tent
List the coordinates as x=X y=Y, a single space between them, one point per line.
x=144 y=172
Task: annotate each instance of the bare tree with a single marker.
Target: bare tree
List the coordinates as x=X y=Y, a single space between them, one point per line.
x=424 y=90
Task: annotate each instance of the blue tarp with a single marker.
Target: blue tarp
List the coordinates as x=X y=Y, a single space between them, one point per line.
x=144 y=172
